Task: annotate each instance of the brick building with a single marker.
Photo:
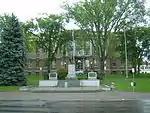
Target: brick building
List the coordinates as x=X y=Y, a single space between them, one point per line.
x=84 y=60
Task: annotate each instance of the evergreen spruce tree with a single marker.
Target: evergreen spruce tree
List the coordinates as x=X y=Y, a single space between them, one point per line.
x=12 y=53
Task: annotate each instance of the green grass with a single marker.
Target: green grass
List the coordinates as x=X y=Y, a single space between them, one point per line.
x=9 y=88
x=122 y=84
x=32 y=80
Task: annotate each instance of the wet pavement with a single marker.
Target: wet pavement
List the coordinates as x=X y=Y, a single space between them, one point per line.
x=102 y=102
x=73 y=96
x=95 y=106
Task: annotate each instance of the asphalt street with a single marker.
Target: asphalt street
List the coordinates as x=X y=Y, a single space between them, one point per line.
x=73 y=96
x=101 y=102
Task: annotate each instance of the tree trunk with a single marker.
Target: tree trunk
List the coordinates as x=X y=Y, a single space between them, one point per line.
x=135 y=69
x=48 y=68
x=134 y=66
x=93 y=58
x=110 y=65
x=49 y=63
x=102 y=65
x=102 y=68
x=139 y=63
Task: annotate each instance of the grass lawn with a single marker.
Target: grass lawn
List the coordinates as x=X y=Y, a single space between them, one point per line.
x=32 y=80
x=9 y=88
x=122 y=84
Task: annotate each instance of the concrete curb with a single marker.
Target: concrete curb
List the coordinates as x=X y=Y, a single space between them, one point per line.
x=65 y=90
x=57 y=91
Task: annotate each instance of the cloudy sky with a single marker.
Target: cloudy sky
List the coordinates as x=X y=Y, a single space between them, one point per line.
x=26 y=9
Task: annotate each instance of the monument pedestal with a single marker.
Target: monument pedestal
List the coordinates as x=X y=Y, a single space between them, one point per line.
x=71 y=71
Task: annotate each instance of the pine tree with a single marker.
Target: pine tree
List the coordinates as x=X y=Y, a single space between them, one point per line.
x=12 y=53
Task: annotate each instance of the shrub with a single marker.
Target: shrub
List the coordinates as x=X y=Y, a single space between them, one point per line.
x=62 y=73
x=82 y=76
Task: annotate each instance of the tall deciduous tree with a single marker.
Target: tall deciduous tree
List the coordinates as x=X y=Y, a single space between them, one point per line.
x=12 y=52
x=30 y=40
x=50 y=34
x=113 y=54
x=101 y=17
x=138 y=43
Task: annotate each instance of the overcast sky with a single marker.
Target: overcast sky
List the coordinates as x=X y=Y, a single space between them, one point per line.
x=26 y=9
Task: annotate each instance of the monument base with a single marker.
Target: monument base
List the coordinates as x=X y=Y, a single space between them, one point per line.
x=71 y=76
x=90 y=83
x=49 y=83
x=70 y=83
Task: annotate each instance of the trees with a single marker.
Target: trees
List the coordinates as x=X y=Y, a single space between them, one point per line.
x=100 y=18
x=30 y=41
x=138 y=43
x=113 y=43
x=12 y=52
x=50 y=35
x=66 y=46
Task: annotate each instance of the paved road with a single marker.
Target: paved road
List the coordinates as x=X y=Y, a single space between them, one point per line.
x=126 y=106
x=102 y=102
x=72 y=96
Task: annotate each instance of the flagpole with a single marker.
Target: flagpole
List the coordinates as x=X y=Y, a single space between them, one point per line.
x=73 y=54
x=126 y=56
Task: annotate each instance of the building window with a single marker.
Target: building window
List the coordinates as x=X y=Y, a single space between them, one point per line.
x=29 y=63
x=86 y=52
x=54 y=64
x=37 y=63
x=38 y=54
x=87 y=48
x=122 y=61
x=37 y=73
x=114 y=72
x=147 y=67
x=114 y=63
x=142 y=67
x=45 y=62
x=29 y=73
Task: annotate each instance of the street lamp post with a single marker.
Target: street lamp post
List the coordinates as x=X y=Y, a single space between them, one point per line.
x=126 y=57
x=73 y=52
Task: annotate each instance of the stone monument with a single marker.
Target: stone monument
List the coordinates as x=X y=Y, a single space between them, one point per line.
x=92 y=75
x=53 y=76
x=71 y=71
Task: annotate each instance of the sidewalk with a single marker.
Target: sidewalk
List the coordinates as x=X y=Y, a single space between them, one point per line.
x=65 y=90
